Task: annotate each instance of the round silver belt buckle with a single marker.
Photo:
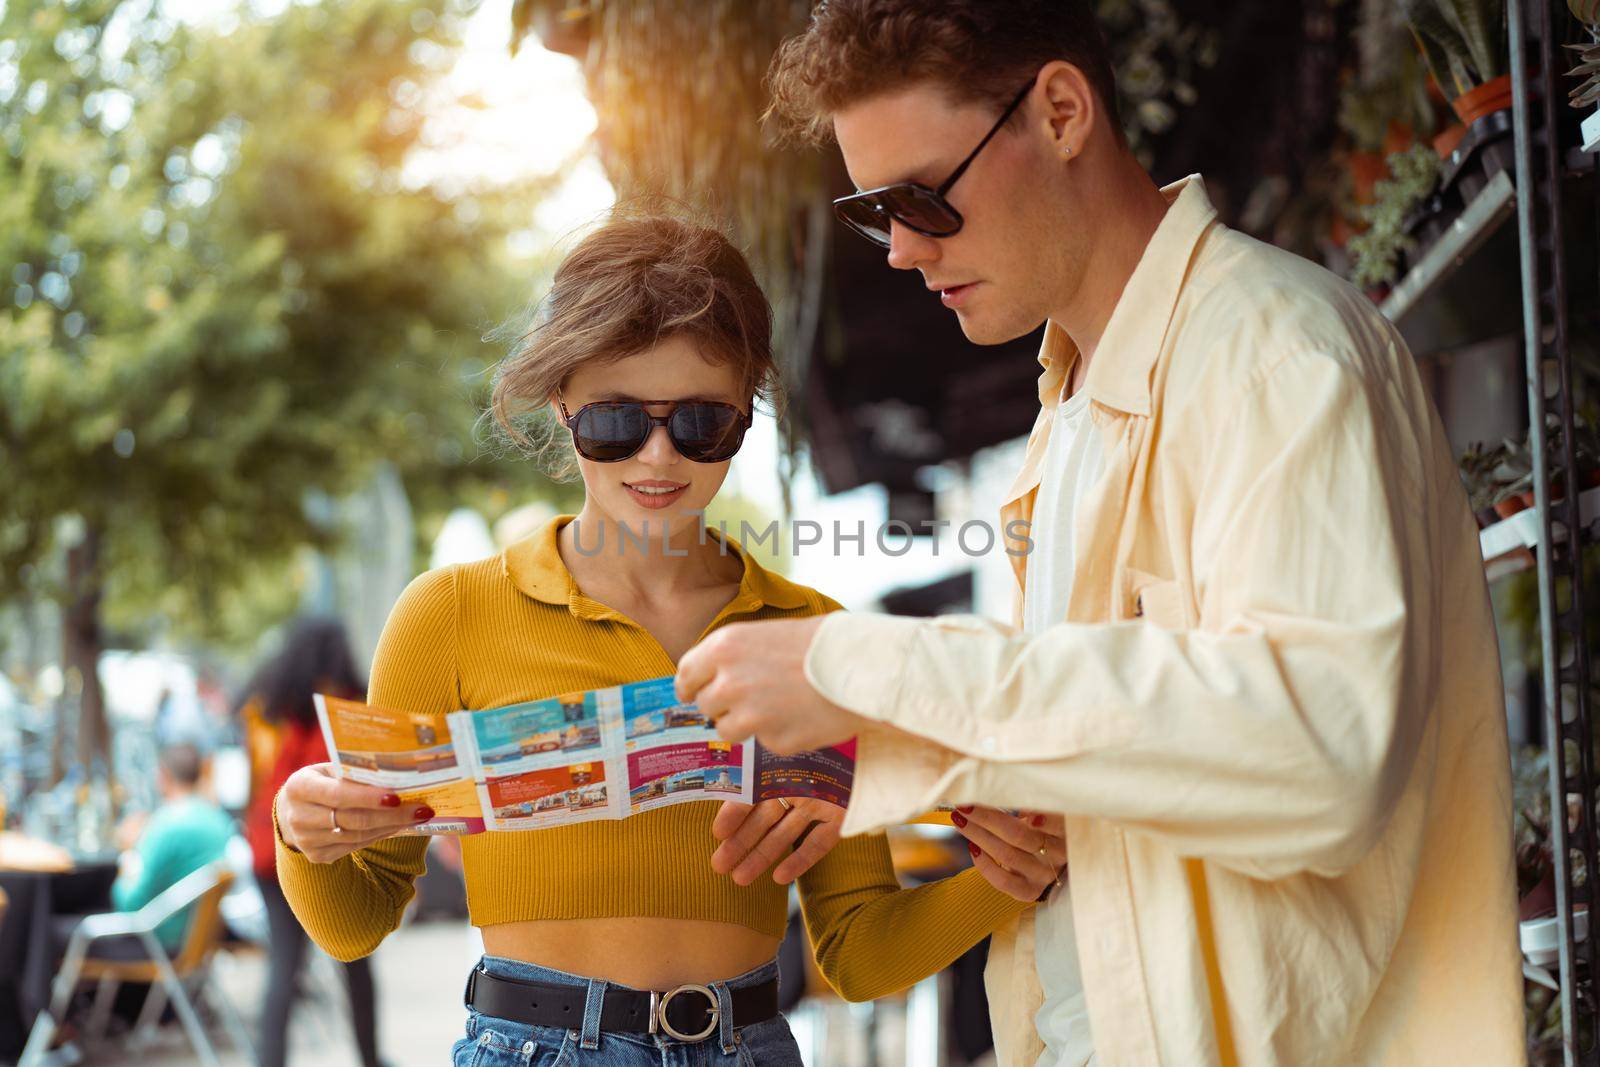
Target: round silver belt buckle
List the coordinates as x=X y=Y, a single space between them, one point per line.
x=658 y=1013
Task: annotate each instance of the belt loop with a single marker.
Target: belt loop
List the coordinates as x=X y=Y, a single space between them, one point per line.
x=724 y=1016
x=592 y=1004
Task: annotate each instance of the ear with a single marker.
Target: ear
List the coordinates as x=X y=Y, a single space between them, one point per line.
x=1071 y=109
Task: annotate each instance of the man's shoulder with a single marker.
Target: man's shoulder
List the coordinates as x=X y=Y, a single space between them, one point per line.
x=1247 y=305
x=185 y=823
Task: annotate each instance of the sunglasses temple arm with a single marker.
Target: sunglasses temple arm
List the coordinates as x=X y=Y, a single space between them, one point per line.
x=999 y=123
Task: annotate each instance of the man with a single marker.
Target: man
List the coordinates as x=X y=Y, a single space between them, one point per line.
x=184 y=834
x=1254 y=662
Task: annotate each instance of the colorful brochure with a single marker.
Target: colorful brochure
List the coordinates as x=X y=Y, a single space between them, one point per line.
x=603 y=754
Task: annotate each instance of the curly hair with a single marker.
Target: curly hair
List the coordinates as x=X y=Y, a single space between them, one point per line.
x=315 y=657
x=630 y=285
x=980 y=51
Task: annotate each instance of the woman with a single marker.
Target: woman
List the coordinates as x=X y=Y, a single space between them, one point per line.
x=614 y=942
x=282 y=735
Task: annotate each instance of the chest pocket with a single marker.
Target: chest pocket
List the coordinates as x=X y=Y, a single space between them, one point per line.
x=1158 y=600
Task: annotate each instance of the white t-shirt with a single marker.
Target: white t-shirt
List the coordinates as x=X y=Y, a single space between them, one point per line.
x=1073 y=462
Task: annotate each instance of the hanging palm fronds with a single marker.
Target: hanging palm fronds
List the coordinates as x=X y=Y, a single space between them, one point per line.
x=677 y=85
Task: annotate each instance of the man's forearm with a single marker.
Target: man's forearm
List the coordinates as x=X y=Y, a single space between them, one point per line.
x=1258 y=755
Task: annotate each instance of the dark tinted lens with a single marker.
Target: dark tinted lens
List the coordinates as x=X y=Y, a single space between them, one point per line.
x=606 y=433
x=866 y=216
x=706 y=433
x=922 y=209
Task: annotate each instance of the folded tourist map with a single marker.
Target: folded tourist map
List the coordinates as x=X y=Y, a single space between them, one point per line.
x=603 y=754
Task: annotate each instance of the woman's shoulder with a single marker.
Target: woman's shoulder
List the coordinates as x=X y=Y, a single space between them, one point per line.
x=779 y=592
x=429 y=596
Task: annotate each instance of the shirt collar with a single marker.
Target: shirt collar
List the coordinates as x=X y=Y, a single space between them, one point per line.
x=535 y=567
x=1133 y=334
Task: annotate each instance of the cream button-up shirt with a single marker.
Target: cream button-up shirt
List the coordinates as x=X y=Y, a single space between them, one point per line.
x=1273 y=715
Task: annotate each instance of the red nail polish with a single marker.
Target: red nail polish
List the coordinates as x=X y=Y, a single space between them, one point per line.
x=422 y=814
x=958 y=818
x=1038 y=820
x=965 y=809
x=974 y=849
x=390 y=800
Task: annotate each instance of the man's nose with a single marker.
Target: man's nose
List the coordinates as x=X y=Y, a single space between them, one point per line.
x=909 y=249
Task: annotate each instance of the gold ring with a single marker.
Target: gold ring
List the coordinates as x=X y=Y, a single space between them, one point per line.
x=786 y=805
x=333 y=818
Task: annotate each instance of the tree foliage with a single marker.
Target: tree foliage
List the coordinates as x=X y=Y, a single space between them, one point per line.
x=221 y=290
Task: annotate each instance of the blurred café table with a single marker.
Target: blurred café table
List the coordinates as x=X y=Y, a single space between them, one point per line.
x=41 y=881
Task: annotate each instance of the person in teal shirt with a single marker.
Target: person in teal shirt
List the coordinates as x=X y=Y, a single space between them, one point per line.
x=184 y=834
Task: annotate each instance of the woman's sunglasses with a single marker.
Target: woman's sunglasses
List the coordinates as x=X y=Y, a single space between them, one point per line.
x=913 y=204
x=703 y=431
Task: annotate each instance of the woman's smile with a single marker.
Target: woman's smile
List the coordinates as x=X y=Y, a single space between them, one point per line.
x=655 y=493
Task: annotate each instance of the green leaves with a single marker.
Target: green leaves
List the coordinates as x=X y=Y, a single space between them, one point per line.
x=1464 y=40
x=229 y=297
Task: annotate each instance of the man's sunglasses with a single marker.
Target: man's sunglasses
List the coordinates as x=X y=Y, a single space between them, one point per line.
x=702 y=431
x=913 y=204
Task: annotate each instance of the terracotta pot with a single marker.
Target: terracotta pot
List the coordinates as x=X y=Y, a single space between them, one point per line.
x=1398 y=138
x=1445 y=141
x=1510 y=506
x=1365 y=170
x=1493 y=95
x=1340 y=231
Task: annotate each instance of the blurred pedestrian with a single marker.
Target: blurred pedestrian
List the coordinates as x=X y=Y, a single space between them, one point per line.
x=187 y=831
x=279 y=721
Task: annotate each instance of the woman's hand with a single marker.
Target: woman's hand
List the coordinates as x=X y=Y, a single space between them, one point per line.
x=755 y=838
x=326 y=817
x=1023 y=856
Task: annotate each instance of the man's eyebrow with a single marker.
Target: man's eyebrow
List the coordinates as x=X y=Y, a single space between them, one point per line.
x=928 y=175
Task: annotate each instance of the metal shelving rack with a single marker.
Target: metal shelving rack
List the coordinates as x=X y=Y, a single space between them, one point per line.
x=1567 y=660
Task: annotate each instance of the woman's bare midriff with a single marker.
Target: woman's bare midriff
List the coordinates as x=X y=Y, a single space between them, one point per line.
x=645 y=953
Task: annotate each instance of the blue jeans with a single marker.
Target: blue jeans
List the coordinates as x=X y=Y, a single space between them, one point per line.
x=494 y=1042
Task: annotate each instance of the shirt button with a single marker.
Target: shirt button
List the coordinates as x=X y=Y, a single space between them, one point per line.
x=989 y=743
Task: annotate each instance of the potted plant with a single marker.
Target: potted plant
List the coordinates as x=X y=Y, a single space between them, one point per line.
x=1587 y=92
x=1514 y=478
x=1385 y=106
x=1466 y=46
x=1378 y=250
x=1478 y=466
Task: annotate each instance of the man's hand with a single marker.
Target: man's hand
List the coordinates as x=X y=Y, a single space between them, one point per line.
x=749 y=678
x=327 y=817
x=754 y=838
x=1023 y=855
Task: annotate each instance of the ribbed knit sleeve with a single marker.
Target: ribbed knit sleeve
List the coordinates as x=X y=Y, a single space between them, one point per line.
x=873 y=938
x=352 y=904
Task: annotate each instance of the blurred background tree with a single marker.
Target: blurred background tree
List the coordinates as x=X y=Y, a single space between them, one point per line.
x=227 y=296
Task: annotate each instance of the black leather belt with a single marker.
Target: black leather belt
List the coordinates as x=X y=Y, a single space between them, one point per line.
x=687 y=1013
